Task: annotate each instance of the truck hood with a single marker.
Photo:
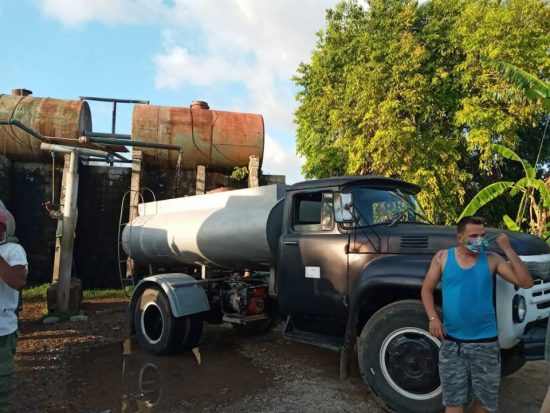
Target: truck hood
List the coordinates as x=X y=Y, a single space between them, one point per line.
x=409 y=238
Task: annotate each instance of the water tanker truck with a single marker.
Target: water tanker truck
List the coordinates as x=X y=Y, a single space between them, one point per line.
x=340 y=260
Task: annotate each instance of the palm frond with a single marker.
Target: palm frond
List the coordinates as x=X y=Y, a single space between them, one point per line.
x=534 y=88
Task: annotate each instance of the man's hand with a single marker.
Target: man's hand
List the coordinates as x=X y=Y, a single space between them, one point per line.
x=436 y=329
x=516 y=271
x=503 y=242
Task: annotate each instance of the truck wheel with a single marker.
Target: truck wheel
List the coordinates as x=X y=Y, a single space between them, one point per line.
x=158 y=331
x=398 y=359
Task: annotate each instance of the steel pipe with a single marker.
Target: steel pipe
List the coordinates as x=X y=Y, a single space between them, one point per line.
x=139 y=144
x=70 y=149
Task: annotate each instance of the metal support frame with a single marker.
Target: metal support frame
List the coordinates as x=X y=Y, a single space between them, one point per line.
x=135 y=185
x=200 y=184
x=114 y=101
x=253 y=171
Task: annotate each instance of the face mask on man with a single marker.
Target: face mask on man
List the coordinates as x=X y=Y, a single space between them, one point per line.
x=476 y=245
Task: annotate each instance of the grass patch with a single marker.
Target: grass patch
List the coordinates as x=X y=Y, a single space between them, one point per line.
x=39 y=293
x=111 y=293
x=35 y=293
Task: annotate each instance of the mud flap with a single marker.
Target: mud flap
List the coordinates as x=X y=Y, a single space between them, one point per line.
x=346 y=351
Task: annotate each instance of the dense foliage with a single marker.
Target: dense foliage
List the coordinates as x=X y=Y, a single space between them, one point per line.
x=399 y=89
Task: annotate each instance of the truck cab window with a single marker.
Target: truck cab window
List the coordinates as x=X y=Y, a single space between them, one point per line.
x=313 y=211
x=384 y=205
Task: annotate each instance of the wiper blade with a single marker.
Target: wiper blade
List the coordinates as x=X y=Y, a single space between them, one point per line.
x=397 y=218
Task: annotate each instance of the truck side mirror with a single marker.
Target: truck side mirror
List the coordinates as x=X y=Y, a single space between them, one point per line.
x=343 y=206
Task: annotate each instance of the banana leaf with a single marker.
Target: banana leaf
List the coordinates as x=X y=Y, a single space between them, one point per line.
x=485 y=196
x=510 y=154
x=510 y=223
x=534 y=88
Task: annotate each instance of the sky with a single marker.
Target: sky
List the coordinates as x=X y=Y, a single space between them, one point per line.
x=237 y=55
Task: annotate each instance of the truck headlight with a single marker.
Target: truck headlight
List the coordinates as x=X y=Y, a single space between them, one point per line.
x=519 y=309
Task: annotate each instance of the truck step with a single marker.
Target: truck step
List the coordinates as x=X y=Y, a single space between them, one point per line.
x=308 y=337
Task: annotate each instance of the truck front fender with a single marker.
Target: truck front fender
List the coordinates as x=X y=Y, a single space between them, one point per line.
x=185 y=294
x=403 y=271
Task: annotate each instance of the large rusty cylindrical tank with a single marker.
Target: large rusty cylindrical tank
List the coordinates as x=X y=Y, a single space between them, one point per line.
x=51 y=117
x=219 y=140
x=236 y=229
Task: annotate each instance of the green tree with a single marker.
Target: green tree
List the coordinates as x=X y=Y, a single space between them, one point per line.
x=397 y=89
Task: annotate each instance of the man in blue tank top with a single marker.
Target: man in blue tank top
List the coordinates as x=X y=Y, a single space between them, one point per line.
x=470 y=354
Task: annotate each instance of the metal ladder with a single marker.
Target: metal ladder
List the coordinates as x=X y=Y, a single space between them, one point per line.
x=126 y=281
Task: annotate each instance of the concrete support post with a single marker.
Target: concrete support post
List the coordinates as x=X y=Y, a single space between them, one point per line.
x=253 y=172
x=201 y=180
x=59 y=230
x=135 y=185
x=70 y=175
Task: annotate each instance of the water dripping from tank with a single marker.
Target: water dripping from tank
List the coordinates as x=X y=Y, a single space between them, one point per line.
x=178 y=178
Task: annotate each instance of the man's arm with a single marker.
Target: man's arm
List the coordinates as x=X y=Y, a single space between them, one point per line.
x=14 y=276
x=432 y=278
x=516 y=271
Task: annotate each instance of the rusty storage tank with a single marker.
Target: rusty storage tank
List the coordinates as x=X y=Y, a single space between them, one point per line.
x=51 y=117
x=217 y=139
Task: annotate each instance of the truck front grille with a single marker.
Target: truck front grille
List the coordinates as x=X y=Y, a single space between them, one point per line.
x=539 y=269
x=540 y=294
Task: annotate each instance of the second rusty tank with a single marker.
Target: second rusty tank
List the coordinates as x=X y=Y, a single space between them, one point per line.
x=217 y=139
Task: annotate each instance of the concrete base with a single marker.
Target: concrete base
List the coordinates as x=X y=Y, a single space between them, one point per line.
x=75 y=297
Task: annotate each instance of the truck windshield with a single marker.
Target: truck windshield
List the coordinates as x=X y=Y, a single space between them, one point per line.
x=386 y=206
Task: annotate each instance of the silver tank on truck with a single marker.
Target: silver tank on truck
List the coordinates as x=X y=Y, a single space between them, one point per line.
x=237 y=229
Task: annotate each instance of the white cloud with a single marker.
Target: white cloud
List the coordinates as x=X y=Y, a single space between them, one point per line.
x=178 y=66
x=257 y=44
x=278 y=161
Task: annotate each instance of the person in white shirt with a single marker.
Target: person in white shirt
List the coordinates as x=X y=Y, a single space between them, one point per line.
x=13 y=277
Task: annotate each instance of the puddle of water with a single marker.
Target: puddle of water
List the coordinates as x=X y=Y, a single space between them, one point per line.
x=104 y=379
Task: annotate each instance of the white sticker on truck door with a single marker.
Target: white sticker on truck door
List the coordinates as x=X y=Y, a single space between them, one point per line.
x=313 y=272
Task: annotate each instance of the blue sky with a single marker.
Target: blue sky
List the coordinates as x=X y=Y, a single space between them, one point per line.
x=237 y=55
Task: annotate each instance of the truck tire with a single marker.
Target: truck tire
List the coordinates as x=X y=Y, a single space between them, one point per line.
x=398 y=359
x=158 y=331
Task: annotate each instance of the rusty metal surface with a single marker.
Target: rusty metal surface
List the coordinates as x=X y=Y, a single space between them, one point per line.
x=50 y=117
x=217 y=139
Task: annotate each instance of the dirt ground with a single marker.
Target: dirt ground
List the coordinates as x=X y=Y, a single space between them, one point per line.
x=81 y=367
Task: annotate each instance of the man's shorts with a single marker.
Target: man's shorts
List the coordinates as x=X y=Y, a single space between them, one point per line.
x=7 y=352
x=465 y=365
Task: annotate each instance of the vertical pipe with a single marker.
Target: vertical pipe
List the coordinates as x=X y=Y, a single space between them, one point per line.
x=113 y=127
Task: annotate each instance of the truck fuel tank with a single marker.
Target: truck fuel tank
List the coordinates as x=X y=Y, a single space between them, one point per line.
x=236 y=229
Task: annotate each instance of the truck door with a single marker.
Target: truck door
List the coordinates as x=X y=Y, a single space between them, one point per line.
x=312 y=262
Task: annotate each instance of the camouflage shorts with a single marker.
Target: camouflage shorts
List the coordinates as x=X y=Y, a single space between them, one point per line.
x=470 y=365
x=7 y=352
